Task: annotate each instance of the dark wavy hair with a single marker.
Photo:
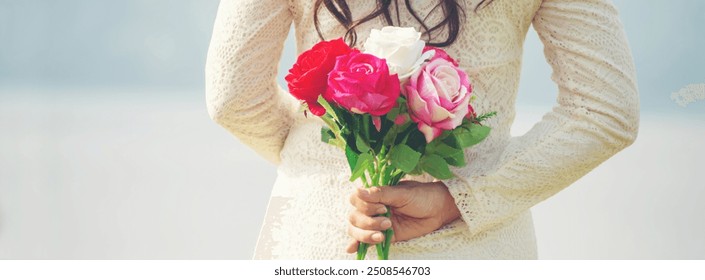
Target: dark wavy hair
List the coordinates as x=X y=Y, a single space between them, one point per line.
x=454 y=14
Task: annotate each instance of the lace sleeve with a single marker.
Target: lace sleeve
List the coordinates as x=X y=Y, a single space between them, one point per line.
x=596 y=116
x=241 y=90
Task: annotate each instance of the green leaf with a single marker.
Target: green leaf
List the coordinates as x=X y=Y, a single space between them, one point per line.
x=364 y=161
x=456 y=160
x=352 y=157
x=402 y=103
x=347 y=120
x=436 y=166
x=393 y=113
x=452 y=140
x=327 y=135
x=416 y=141
x=483 y=117
x=400 y=108
x=417 y=170
x=452 y=156
x=365 y=126
x=467 y=137
x=404 y=158
x=360 y=144
x=441 y=149
x=389 y=137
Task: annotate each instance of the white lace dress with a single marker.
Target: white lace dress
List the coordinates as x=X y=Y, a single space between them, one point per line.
x=596 y=115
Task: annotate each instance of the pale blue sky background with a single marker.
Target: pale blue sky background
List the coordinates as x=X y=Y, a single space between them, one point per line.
x=160 y=43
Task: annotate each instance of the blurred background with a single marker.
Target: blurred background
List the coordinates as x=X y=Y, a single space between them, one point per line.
x=107 y=151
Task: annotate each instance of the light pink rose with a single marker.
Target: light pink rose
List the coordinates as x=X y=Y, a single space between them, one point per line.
x=439 y=53
x=438 y=97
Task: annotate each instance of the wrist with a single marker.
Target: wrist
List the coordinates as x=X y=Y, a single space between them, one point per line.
x=450 y=210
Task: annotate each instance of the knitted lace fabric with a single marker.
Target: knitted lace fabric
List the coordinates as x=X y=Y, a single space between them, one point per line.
x=595 y=116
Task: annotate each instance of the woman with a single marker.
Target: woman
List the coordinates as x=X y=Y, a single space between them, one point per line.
x=483 y=213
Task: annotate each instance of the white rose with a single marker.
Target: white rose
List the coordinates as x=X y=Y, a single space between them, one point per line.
x=401 y=47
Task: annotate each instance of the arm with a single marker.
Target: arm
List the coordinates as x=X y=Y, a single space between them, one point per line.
x=596 y=116
x=241 y=89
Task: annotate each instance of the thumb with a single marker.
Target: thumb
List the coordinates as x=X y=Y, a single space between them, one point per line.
x=396 y=196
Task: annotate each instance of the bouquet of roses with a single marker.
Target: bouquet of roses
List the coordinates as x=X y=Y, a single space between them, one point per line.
x=398 y=107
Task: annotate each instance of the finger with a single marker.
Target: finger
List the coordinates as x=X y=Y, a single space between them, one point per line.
x=365 y=236
x=367 y=208
x=396 y=196
x=352 y=246
x=362 y=221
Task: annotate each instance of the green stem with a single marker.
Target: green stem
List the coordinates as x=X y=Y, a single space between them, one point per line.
x=364 y=181
x=378 y=181
x=383 y=175
x=393 y=175
x=387 y=236
x=362 y=247
x=375 y=178
x=390 y=231
x=331 y=122
x=380 y=250
x=362 y=250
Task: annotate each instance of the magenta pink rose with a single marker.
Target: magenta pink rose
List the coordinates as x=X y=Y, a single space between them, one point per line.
x=361 y=83
x=438 y=96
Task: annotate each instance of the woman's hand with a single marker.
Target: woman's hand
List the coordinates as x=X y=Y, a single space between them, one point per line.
x=417 y=209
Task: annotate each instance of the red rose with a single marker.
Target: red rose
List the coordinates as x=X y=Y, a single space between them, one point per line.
x=308 y=78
